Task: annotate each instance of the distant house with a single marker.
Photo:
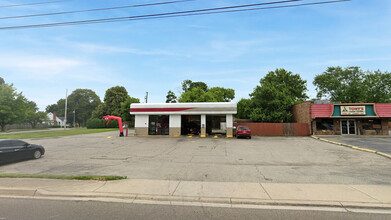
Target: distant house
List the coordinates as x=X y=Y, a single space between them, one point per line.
x=54 y=120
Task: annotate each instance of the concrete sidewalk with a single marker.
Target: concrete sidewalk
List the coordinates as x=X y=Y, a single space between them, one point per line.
x=229 y=193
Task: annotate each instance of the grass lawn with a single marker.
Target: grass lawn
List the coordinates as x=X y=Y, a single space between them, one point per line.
x=30 y=129
x=43 y=134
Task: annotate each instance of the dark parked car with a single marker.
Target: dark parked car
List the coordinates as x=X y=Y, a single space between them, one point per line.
x=242 y=131
x=16 y=150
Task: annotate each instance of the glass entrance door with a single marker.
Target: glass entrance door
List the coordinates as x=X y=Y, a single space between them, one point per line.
x=348 y=126
x=158 y=125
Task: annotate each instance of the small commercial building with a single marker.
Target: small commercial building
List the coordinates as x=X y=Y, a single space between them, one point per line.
x=175 y=119
x=350 y=118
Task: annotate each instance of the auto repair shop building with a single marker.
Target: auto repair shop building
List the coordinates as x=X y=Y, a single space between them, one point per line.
x=175 y=119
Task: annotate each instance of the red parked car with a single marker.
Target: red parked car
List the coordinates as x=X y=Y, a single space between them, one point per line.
x=242 y=131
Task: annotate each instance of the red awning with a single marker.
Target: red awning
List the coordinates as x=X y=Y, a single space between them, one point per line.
x=383 y=110
x=321 y=110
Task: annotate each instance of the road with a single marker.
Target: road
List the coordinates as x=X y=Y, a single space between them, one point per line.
x=382 y=144
x=67 y=209
x=261 y=159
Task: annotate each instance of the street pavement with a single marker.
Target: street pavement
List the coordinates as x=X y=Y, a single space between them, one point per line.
x=261 y=159
x=274 y=171
x=199 y=192
x=376 y=143
x=71 y=209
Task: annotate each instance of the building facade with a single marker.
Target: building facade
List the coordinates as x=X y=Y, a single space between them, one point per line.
x=175 y=119
x=350 y=118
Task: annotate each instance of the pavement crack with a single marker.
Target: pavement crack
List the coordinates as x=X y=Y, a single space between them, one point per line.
x=365 y=194
x=347 y=210
x=104 y=184
x=265 y=191
x=264 y=177
x=176 y=188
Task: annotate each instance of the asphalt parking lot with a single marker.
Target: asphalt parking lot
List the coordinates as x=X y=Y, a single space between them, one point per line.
x=261 y=159
x=382 y=144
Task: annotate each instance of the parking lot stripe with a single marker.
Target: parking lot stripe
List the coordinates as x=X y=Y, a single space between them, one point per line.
x=353 y=147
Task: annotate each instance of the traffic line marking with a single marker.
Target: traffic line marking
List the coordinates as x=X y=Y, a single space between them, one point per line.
x=353 y=147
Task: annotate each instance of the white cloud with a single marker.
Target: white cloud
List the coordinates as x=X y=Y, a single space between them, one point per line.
x=39 y=66
x=353 y=61
x=112 y=49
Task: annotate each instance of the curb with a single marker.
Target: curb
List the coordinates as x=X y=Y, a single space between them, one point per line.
x=353 y=147
x=136 y=198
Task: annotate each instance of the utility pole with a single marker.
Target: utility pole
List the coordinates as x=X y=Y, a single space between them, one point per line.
x=66 y=103
x=74 y=118
x=146 y=97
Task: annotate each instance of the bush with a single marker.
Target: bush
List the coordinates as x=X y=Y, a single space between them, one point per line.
x=101 y=123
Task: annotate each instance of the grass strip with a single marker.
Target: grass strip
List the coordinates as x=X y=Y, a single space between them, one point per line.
x=63 y=177
x=43 y=134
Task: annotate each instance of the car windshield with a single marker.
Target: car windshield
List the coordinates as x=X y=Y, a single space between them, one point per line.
x=243 y=128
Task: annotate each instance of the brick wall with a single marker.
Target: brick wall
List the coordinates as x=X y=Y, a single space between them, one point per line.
x=385 y=126
x=301 y=113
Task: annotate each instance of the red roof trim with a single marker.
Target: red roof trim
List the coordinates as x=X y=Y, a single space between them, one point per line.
x=383 y=110
x=158 y=109
x=321 y=110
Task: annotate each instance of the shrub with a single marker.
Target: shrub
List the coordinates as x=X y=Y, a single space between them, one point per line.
x=101 y=123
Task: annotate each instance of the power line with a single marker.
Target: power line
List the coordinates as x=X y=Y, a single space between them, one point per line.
x=174 y=14
x=35 y=3
x=95 y=9
x=160 y=14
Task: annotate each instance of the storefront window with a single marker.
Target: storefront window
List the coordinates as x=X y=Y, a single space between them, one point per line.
x=371 y=124
x=324 y=124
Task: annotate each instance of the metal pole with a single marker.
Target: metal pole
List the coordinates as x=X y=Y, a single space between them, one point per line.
x=146 y=97
x=74 y=118
x=66 y=103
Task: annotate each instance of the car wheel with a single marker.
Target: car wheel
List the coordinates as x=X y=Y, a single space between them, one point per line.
x=249 y=137
x=37 y=154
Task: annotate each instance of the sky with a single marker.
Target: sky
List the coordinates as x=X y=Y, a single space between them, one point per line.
x=231 y=50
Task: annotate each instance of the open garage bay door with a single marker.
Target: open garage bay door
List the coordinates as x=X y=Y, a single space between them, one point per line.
x=216 y=124
x=191 y=124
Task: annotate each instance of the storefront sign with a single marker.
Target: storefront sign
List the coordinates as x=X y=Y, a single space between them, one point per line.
x=352 y=110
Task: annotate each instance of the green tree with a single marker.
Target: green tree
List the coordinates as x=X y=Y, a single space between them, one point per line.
x=114 y=96
x=200 y=92
x=341 y=85
x=189 y=85
x=194 y=95
x=125 y=110
x=12 y=107
x=2 y=81
x=171 y=98
x=279 y=90
x=113 y=99
x=221 y=94
x=99 y=111
x=59 y=108
x=377 y=87
x=32 y=115
x=83 y=102
x=51 y=108
x=244 y=108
